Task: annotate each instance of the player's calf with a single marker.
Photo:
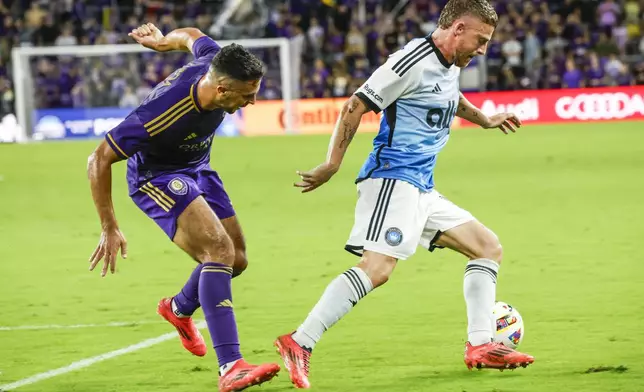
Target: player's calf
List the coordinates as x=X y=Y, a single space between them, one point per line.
x=234 y=231
x=201 y=234
x=241 y=262
x=482 y=247
x=342 y=294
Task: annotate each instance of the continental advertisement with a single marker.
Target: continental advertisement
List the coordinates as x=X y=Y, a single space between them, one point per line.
x=314 y=116
x=318 y=116
x=310 y=116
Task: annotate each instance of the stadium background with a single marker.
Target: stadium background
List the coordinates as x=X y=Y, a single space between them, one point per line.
x=538 y=45
x=564 y=195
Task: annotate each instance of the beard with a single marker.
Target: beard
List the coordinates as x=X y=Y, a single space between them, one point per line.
x=463 y=60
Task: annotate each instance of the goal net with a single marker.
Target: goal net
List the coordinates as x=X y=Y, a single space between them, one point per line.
x=75 y=92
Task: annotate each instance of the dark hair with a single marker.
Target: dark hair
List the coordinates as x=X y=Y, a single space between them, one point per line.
x=454 y=9
x=235 y=61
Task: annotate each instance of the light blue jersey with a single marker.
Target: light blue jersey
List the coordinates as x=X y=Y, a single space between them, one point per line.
x=418 y=90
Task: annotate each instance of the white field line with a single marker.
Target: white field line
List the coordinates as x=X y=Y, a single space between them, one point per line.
x=83 y=363
x=74 y=326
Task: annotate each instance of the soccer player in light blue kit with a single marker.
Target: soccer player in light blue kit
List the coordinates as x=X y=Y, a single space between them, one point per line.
x=398 y=209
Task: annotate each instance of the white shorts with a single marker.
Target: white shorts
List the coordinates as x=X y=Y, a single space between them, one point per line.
x=393 y=217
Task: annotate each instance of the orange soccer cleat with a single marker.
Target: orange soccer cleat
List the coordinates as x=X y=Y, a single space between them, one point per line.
x=190 y=336
x=243 y=375
x=296 y=360
x=495 y=356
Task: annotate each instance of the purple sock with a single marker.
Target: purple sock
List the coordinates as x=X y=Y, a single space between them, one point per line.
x=215 y=295
x=187 y=300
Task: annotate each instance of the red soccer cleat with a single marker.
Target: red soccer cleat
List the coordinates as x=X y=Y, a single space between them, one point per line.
x=243 y=375
x=190 y=336
x=296 y=360
x=495 y=356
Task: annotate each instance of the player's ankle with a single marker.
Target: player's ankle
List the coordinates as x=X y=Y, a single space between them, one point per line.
x=479 y=338
x=176 y=311
x=303 y=340
x=225 y=368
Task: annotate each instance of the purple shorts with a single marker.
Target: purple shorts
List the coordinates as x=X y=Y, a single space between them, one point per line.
x=164 y=197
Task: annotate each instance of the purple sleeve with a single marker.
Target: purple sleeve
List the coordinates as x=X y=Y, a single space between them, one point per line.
x=204 y=46
x=128 y=137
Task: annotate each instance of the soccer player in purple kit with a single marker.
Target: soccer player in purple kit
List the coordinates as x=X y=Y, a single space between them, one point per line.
x=166 y=142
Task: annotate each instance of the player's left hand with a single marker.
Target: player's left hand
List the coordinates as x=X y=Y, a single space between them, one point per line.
x=313 y=179
x=505 y=122
x=108 y=247
x=147 y=35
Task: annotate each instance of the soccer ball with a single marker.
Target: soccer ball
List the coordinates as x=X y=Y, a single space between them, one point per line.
x=509 y=325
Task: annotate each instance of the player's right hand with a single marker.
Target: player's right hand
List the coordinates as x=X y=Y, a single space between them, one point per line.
x=147 y=35
x=312 y=179
x=108 y=247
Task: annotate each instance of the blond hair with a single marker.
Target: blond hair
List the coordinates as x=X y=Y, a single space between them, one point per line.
x=455 y=9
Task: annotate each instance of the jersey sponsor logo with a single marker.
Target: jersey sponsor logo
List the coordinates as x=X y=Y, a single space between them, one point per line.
x=178 y=186
x=393 y=236
x=373 y=93
x=606 y=106
x=203 y=145
x=527 y=109
x=441 y=118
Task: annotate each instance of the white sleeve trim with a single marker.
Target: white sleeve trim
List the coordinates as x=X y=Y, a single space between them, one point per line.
x=395 y=78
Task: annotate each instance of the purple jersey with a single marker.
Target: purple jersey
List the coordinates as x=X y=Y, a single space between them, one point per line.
x=169 y=131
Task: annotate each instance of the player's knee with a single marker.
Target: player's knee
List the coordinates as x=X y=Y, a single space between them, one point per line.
x=378 y=278
x=495 y=253
x=218 y=247
x=241 y=262
x=491 y=249
x=377 y=267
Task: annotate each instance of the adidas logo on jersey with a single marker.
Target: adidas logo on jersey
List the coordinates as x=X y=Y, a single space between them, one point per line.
x=191 y=136
x=437 y=89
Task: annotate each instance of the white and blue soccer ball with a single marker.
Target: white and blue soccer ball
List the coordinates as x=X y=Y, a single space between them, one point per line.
x=509 y=325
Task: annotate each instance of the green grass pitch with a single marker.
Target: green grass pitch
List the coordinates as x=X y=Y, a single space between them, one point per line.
x=566 y=201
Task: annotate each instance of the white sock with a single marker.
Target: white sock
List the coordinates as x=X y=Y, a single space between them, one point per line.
x=479 y=289
x=225 y=368
x=342 y=294
x=176 y=311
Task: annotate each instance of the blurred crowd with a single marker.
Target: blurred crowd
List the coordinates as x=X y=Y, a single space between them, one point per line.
x=538 y=43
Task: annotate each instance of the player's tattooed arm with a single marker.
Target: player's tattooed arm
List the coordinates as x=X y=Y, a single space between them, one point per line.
x=470 y=112
x=151 y=37
x=504 y=121
x=348 y=128
x=345 y=129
